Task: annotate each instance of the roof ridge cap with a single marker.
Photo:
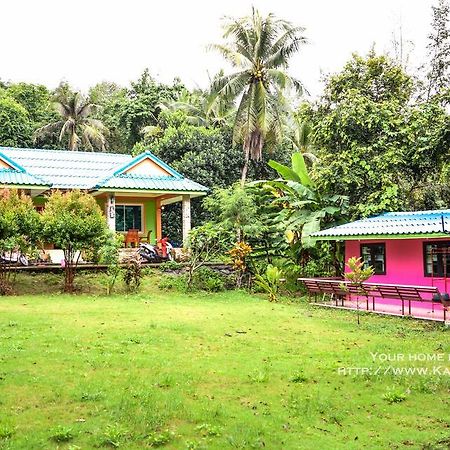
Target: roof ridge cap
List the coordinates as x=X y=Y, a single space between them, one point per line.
x=21 y=149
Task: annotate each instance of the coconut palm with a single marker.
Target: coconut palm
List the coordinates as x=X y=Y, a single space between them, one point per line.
x=259 y=49
x=302 y=137
x=76 y=123
x=205 y=108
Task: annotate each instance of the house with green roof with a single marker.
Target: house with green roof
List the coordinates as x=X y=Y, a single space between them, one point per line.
x=130 y=190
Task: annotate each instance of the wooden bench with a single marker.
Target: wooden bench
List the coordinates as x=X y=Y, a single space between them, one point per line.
x=324 y=286
x=405 y=293
x=340 y=289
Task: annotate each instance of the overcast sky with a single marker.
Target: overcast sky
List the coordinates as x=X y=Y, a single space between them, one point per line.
x=88 y=41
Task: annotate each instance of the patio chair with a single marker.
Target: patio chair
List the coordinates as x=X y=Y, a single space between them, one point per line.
x=146 y=238
x=132 y=238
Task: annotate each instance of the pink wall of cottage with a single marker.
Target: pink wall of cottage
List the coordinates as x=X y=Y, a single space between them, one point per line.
x=404 y=262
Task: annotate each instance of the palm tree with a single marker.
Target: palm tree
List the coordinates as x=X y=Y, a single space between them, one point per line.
x=204 y=108
x=259 y=49
x=76 y=123
x=302 y=137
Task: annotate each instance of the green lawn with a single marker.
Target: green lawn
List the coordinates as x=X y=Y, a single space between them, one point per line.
x=217 y=371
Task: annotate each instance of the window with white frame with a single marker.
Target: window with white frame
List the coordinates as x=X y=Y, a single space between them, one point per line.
x=128 y=217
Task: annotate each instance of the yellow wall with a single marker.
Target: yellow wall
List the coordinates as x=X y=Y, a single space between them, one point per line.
x=4 y=165
x=147 y=167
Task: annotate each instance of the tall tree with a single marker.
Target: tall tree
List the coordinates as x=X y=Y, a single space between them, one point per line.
x=361 y=134
x=259 y=48
x=204 y=108
x=375 y=144
x=126 y=111
x=15 y=128
x=438 y=76
x=75 y=123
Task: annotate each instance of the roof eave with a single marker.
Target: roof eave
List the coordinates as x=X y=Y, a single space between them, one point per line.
x=366 y=237
x=150 y=191
x=25 y=186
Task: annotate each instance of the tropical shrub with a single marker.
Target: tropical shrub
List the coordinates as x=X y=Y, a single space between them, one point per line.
x=270 y=281
x=206 y=279
x=298 y=209
x=236 y=209
x=205 y=243
x=74 y=222
x=109 y=255
x=168 y=282
x=239 y=254
x=19 y=231
x=304 y=209
x=357 y=275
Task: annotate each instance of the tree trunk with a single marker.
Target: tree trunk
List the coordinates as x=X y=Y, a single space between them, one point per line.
x=69 y=270
x=338 y=258
x=244 y=169
x=73 y=139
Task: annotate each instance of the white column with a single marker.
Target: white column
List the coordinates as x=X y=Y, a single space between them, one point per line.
x=186 y=215
x=111 y=212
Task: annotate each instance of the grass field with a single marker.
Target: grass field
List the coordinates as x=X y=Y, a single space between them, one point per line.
x=212 y=371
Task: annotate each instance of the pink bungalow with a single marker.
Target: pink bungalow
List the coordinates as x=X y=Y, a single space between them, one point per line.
x=408 y=249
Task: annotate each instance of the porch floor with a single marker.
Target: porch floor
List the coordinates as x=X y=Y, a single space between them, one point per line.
x=392 y=307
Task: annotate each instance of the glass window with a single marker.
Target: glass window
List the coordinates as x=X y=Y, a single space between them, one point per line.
x=436 y=257
x=128 y=217
x=374 y=255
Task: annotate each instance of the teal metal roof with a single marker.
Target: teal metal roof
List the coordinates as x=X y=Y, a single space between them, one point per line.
x=64 y=169
x=18 y=178
x=166 y=183
x=410 y=224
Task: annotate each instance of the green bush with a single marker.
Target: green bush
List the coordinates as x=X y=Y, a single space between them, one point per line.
x=169 y=266
x=177 y=282
x=109 y=255
x=161 y=438
x=19 y=230
x=206 y=279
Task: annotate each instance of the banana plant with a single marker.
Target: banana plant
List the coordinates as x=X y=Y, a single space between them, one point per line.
x=270 y=281
x=303 y=208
